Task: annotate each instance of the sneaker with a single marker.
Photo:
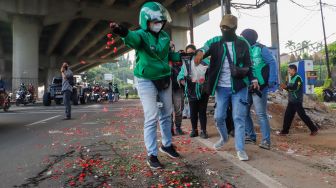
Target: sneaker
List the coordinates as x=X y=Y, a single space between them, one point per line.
x=170 y=151
x=179 y=131
x=242 y=155
x=194 y=133
x=249 y=140
x=281 y=133
x=153 y=162
x=67 y=118
x=184 y=117
x=219 y=144
x=314 y=133
x=204 y=135
x=265 y=145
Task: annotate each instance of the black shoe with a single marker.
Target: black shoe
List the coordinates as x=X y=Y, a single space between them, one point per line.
x=179 y=131
x=194 y=133
x=153 y=162
x=249 y=140
x=170 y=151
x=204 y=135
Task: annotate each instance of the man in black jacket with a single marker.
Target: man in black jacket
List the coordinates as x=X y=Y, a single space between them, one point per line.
x=229 y=76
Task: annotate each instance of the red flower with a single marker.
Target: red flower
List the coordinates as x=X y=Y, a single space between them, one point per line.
x=72 y=183
x=115 y=50
x=109 y=35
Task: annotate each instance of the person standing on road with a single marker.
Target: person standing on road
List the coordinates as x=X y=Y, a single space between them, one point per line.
x=177 y=94
x=264 y=69
x=194 y=90
x=295 y=100
x=110 y=92
x=152 y=71
x=229 y=75
x=67 y=83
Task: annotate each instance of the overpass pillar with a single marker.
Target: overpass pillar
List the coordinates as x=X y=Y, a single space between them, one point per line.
x=180 y=38
x=26 y=31
x=52 y=71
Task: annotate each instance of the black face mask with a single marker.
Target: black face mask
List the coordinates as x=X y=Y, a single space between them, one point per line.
x=229 y=34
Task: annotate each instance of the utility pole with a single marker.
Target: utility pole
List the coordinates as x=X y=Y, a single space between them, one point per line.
x=275 y=31
x=191 y=21
x=325 y=42
x=226 y=8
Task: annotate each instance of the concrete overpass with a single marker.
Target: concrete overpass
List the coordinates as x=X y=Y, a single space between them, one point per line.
x=36 y=35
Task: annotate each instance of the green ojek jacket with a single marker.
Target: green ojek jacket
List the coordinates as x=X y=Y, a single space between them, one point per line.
x=152 y=53
x=259 y=68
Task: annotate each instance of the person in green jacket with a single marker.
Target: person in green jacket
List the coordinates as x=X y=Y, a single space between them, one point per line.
x=152 y=71
x=197 y=97
x=295 y=99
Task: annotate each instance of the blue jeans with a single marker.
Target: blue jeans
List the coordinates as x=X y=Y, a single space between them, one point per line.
x=67 y=102
x=148 y=96
x=239 y=112
x=260 y=106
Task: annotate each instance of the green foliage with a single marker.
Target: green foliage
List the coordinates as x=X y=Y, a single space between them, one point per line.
x=121 y=72
x=283 y=72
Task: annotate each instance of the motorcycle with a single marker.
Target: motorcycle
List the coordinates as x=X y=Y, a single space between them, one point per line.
x=24 y=98
x=329 y=95
x=4 y=102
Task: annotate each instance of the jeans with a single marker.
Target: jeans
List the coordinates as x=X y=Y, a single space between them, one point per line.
x=260 y=106
x=239 y=113
x=178 y=107
x=198 y=110
x=67 y=102
x=152 y=114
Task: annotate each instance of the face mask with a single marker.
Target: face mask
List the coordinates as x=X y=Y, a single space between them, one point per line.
x=156 y=27
x=228 y=34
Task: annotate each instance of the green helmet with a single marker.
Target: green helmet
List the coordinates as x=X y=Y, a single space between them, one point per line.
x=153 y=11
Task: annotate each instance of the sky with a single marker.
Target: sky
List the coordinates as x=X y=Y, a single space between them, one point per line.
x=295 y=23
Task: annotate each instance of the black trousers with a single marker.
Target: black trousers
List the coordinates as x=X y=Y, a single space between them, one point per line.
x=291 y=109
x=198 y=109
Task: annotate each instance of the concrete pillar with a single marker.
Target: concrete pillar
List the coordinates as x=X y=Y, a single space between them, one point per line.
x=26 y=31
x=52 y=71
x=275 y=31
x=2 y=60
x=180 y=38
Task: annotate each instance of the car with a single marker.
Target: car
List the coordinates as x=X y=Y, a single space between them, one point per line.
x=54 y=92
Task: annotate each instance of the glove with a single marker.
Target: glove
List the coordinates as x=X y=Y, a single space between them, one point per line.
x=119 y=29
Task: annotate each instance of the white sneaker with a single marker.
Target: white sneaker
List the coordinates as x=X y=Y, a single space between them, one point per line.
x=242 y=156
x=219 y=144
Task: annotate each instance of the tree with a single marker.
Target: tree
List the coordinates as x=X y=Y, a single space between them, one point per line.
x=292 y=46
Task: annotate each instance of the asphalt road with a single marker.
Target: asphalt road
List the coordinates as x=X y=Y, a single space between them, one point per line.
x=39 y=149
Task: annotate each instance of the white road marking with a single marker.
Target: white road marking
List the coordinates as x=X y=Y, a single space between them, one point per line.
x=261 y=177
x=42 y=121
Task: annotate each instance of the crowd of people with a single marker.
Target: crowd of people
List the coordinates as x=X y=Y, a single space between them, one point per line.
x=236 y=69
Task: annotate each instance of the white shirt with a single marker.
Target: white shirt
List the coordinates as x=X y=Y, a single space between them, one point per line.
x=225 y=75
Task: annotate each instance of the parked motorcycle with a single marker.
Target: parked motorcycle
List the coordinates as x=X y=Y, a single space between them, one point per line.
x=329 y=95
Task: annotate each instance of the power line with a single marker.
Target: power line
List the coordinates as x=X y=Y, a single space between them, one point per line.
x=307 y=7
